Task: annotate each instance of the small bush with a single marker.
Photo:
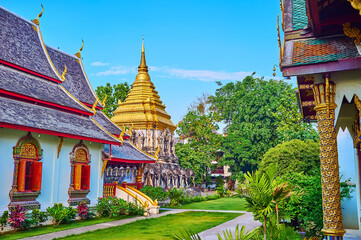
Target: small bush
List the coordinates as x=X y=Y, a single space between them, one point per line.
x=134 y=209
x=212 y=197
x=61 y=214
x=176 y=196
x=17 y=217
x=38 y=217
x=223 y=192
x=115 y=207
x=155 y=193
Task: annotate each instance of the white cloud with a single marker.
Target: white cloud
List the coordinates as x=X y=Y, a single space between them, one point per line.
x=201 y=75
x=177 y=73
x=116 y=70
x=99 y=64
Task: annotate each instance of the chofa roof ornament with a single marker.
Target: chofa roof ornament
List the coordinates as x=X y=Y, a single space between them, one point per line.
x=36 y=21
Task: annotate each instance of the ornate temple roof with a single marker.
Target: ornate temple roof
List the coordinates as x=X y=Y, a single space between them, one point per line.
x=127 y=152
x=22 y=45
x=76 y=82
x=29 y=117
x=143 y=107
x=32 y=97
x=314 y=39
x=13 y=81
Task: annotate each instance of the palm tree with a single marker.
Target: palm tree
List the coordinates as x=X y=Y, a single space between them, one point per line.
x=263 y=194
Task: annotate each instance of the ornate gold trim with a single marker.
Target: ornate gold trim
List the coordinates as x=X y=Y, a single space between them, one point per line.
x=352 y=32
x=64 y=72
x=60 y=146
x=356 y=4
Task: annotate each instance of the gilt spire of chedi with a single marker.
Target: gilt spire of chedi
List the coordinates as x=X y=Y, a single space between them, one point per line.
x=143 y=107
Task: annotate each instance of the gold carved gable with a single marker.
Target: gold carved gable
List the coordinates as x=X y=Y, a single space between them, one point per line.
x=28 y=150
x=81 y=156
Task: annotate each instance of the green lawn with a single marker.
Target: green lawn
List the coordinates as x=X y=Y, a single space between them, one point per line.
x=49 y=229
x=235 y=204
x=160 y=228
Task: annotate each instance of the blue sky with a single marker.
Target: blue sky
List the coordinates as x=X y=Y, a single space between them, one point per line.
x=189 y=44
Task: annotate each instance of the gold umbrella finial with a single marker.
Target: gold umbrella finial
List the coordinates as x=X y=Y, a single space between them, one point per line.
x=143 y=66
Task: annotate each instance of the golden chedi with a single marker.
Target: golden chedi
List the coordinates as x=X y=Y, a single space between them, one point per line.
x=143 y=107
x=144 y=112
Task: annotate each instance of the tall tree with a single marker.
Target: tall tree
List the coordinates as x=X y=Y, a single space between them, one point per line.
x=113 y=93
x=258 y=114
x=199 y=128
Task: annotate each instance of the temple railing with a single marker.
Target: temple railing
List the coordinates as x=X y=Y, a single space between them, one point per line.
x=109 y=189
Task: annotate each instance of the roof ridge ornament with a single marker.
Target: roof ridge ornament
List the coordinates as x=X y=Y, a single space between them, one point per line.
x=78 y=54
x=356 y=4
x=64 y=72
x=36 y=21
x=105 y=98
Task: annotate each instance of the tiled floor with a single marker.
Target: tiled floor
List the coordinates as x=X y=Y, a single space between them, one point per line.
x=352 y=234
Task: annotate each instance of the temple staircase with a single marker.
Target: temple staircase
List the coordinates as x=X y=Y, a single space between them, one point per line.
x=133 y=195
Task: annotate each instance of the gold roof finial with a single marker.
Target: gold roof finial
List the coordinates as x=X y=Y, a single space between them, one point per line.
x=64 y=72
x=143 y=66
x=105 y=98
x=36 y=21
x=78 y=54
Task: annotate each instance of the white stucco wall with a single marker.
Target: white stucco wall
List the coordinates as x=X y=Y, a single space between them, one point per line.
x=349 y=169
x=55 y=172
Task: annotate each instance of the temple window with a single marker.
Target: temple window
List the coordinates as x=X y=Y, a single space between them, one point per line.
x=27 y=172
x=80 y=174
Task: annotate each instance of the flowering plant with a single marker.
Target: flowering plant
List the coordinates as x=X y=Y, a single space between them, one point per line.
x=17 y=216
x=83 y=210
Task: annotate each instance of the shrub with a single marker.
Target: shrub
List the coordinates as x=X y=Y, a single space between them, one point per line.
x=61 y=214
x=155 y=193
x=222 y=191
x=83 y=210
x=38 y=217
x=176 y=196
x=110 y=206
x=134 y=209
x=212 y=197
x=307 y=212
x=293 y=156
x=4 y=219
x=115 y=207
x=17 y=217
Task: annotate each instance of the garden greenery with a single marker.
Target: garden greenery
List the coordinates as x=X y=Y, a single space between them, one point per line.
x=155 y=193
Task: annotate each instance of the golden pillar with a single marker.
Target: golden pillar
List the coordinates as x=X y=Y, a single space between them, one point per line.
x=331 y=202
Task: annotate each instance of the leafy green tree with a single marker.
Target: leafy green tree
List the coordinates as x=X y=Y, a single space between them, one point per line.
x=113 y=93
x=258 y=115
x=293 y=156
x=199 y=127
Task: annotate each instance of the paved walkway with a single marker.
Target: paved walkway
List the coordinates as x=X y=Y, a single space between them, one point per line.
x=245 y=219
